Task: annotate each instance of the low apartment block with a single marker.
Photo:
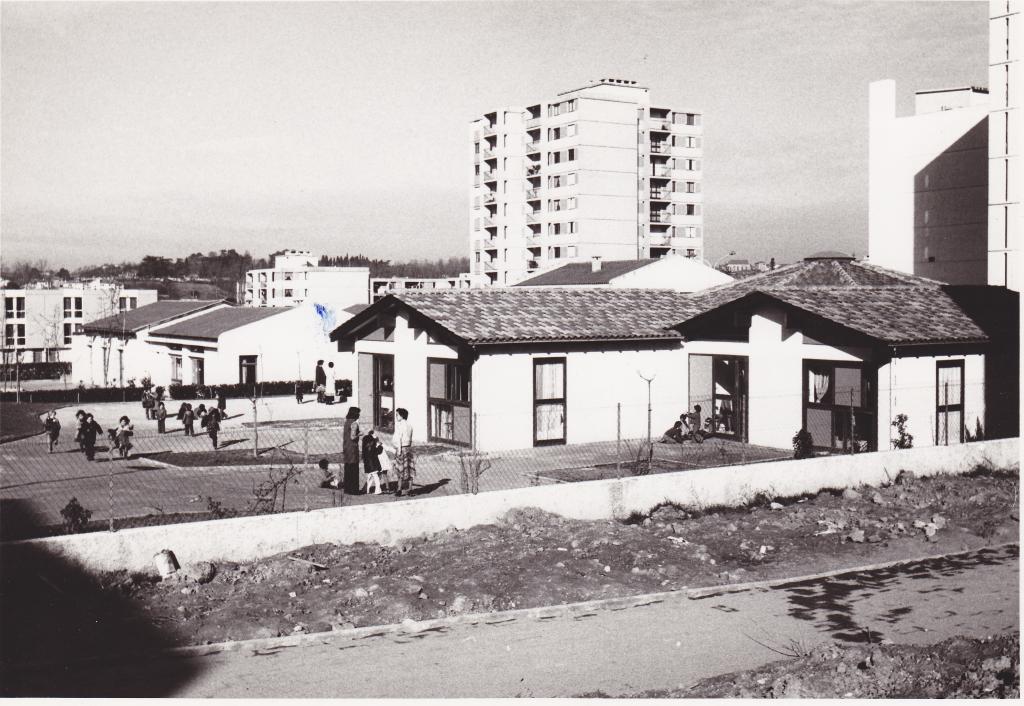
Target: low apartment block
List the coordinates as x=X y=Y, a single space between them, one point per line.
x=39 y=322
x=296 y=277
x=596 y=172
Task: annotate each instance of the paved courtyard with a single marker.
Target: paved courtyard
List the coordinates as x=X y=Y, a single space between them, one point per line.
x=291 y=438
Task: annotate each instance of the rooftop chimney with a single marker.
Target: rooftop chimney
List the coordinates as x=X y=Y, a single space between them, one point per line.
x=595 y=263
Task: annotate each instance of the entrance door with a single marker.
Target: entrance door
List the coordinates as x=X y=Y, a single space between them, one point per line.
x=384 y=392
x=549 y=399
x=247 y=369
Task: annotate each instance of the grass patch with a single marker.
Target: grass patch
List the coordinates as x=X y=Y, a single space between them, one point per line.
x=21 y=419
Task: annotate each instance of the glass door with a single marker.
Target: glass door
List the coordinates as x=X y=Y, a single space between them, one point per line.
x=548 y=401
x=384 y=392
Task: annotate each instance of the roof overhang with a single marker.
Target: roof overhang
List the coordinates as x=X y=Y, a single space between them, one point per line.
x=377 y=315
x=818 y=326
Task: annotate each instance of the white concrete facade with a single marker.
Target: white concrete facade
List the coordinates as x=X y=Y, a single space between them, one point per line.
x=597 y=171
x=41 y=322
x=109 y=361
x=1005 y=180
x=295 y=279
x=380 y=287
x=675 y=272
x=286 y=346
x=927 y=174
x=601 y=376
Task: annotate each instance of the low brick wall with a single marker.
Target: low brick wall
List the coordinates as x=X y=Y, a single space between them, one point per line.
x=248 y=538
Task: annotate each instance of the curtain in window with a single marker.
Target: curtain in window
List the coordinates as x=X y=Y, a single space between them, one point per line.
x=550 y=421
x=949 y=381
x=550 y=380
x=818 y=386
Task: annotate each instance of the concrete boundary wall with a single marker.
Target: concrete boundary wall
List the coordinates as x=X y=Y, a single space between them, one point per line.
x=249 y=538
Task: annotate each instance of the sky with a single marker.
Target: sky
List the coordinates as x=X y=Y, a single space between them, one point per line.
x=129 y=129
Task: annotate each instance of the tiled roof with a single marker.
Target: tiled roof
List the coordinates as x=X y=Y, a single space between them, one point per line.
x=134 y=320
x=211 y=326
x=894 y=315
x=499 y=315
x=576 y=273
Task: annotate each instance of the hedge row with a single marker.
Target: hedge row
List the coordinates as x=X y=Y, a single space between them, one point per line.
x=263 y=389
x=177 y=392
x=36 y=371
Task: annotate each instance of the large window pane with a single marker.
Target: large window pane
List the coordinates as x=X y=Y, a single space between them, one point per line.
x=848 y=387
x=550 y=421
x=819 y=424
x=436 y=381
x=549 y=380
x=950 y=382
x=819 y=384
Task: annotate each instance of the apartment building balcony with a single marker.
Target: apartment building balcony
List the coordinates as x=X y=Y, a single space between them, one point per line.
x=533 y=122
x=661 y=216
x=533 y=216
x=532 y=147
x=533 y=169
x=489 y=197
x=488 y=223
x=489 y=266
x=663 y=147
x=532 y=264
x=661 y=195
x=490 y=176
x=660 y=172
x=532 y=194
x=655 y=125
x=488 y=129
x=487 y=154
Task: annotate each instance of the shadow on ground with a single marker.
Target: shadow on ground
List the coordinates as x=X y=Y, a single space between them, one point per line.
x=57 y=619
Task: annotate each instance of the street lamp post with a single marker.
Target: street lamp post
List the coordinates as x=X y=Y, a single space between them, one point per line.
x=648 y=380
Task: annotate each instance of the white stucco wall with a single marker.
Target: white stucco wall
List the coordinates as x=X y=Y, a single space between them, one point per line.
x=411 y=347
x=595 y=383
x=908 y=386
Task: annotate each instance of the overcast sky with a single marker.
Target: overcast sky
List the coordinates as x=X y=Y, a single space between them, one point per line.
x=144 y=128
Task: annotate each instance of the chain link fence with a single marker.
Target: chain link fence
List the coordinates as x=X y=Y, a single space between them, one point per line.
x=274 y=465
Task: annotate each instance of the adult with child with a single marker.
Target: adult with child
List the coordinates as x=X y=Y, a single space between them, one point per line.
x=350 y=452
x=52 y=427
x=405 y=463
x=693 y=423
x=320 y=381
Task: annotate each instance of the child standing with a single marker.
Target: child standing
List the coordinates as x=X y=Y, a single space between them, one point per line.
x=123 y=434
x=372 y=448
x=52 y=427
x=188 y=419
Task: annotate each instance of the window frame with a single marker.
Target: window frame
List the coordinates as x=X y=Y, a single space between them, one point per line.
x=941 y=409
x=432 y=401
x=868 y=405
x=563 y=400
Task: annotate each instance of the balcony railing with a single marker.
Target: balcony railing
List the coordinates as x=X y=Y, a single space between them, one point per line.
x=658 y=239
x=660 y=194
x=533 y=122
x=660 y=147
x=487 y=154
x=661 y=217
x=532 y=194
x=488 y=223
x=490 y=197
x=488 y=129
x=490 y=176
x=532 y=147
x=533 y=169
x=489 y=266
x=661 y=172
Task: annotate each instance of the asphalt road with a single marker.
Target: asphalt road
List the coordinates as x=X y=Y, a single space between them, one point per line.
x=662 y=645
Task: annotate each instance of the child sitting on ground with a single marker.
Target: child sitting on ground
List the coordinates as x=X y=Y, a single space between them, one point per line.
x=330 y=479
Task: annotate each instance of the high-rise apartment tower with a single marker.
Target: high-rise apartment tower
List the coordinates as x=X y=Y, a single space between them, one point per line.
x=595 y=173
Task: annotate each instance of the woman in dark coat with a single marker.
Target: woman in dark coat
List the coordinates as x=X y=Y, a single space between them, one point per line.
x=350 y=452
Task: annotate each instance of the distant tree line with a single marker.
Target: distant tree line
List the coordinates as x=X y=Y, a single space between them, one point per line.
x=223 y=268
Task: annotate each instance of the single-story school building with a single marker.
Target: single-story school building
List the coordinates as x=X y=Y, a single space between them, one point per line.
x=829 y=344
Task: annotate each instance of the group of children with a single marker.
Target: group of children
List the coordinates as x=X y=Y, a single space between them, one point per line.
x=87 y=431
x=689 y=427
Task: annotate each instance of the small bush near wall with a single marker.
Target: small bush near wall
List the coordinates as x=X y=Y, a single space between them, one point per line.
x=74 y=395
x=263 y=389
x=36 y=371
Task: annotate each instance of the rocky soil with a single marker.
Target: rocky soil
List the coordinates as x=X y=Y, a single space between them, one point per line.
x=531 y=558
x=958 y=668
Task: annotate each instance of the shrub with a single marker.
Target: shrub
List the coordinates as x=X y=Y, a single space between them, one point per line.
x=803 y=444
x=903 y=439
x=76 y=517
x=242 y=391
x=53 y=370
x=77 y=396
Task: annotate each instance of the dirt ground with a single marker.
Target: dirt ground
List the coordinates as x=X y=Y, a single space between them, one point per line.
x=532 y=558
x=958 y=668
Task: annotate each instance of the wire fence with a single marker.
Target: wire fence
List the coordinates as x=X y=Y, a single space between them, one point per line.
x=261 y=461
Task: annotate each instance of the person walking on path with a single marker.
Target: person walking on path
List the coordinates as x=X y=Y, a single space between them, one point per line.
x=148 y=403
x=89 y=431
x=52 y=427
x=213 y=426
x=125 y=431
x=372 y=448
x=350 y=451
x=405 y=463
x=320 y=381
x=161 y=418
x=188 y=420
x=332 y=383
x=298 y=391
x=222 y=402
